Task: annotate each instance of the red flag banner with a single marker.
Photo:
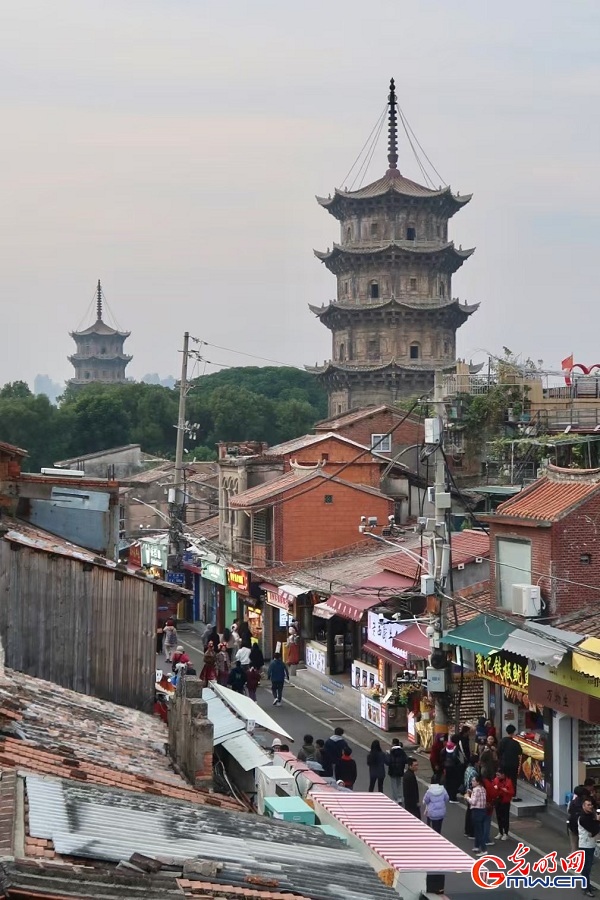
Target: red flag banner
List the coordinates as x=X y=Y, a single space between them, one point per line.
x=566 y=365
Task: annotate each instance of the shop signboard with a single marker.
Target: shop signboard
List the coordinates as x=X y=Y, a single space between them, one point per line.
x=315 y=658
x=281 y=601
x=238 y=580
x=213 y=572
x=506 y=669
x=176 y=578
x=370 y=710
x=155 y=554
x=383 y=632
x=564 y=676
x=363 y=676
x=135 y=556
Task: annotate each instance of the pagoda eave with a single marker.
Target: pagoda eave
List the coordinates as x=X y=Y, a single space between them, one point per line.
x=395 y=188
x=445 y=257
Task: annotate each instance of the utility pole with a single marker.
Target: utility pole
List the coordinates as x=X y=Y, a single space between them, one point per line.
x=177 y=496
x=440 y=558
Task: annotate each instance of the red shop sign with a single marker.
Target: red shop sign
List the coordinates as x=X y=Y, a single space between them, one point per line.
x=135 y=556
x=238 y=580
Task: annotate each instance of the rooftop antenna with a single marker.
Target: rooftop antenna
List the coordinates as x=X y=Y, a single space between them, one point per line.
x=99 y=300
x=392 y=130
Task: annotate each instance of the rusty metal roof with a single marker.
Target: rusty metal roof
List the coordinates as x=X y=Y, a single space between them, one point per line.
x=552 y=496
x=467 y=546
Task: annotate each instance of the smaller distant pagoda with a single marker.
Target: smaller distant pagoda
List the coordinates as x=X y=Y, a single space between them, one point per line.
x=99 y=356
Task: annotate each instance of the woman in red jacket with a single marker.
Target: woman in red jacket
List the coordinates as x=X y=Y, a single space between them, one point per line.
x=504 y=793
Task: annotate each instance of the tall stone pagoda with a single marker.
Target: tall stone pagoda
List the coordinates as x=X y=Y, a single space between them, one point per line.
x=394 y=319
x=99 y=356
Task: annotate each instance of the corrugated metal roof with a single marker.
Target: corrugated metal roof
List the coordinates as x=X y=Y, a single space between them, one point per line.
x=249 y=711
x=225 y=723
x=398 y=838
x=467 y=546
x=551 y=497
x=247 y=753
x=95 y=823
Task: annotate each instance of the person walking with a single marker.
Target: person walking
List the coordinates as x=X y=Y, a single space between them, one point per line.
x=410 y=787
x=509 y=756
x=169 y=640
x=211 y=635
x=223 y=664
x=334 y=746
x=252 y=682
x=234 y=641
x=323 y=758
x=481 y=732
x=574 y=810
x=307 y=750
x=209 y=668
x=277 y=673
x=376 y=761
x=477 y=800
x=256 y=657
x=505 y=791
x=396 y=767
x=346 y=769
x=179 y=656
x=464 y=746
x=588 y=828
x=470 y=772
x=488 y=758
x=237 y=678
x=243 y=655
x=452 y=768
x=435 y=754
x=435 y=802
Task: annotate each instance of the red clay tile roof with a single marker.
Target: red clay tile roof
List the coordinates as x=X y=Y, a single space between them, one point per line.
x=467 y=546
x=470 y=602
x=551 y=497
x=11 y=450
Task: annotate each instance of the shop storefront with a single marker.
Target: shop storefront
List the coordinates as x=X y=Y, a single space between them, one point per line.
x=212 y=594
x=284 y=605
x=332 y=641
x=237 y=591
x=574 y=698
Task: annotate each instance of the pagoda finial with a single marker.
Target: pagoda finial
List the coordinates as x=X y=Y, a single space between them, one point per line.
x=392 y=129
x=99 y=300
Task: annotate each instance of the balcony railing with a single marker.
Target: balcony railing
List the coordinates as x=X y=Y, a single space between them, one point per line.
x=253 y=553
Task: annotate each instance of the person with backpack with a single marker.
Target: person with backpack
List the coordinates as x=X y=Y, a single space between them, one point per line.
x=435 y=802
x=452 y=768
x=396 y=767
x=334 y=746
x=237 y=678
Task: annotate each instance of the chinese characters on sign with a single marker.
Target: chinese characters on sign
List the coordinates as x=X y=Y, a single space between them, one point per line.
x=238 y=580
x=503 y=670
x=383 y=632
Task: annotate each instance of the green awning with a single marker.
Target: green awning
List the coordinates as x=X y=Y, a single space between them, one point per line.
x=483 y=634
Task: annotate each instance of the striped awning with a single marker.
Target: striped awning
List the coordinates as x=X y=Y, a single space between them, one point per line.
x=400 y=840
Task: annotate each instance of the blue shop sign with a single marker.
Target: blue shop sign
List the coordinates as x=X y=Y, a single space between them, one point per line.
x=176 y=577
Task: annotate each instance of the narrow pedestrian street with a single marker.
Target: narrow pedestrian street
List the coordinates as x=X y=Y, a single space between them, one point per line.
x=301 y=713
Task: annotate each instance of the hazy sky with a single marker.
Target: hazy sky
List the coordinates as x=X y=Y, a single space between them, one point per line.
x=173 y=148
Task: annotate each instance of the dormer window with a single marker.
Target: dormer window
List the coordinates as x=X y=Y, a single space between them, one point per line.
x=374 y=290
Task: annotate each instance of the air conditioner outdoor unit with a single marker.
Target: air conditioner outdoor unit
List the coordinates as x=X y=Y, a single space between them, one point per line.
x=273 y=781
x=527 y=600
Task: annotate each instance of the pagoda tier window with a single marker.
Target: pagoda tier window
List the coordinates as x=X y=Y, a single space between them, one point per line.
x=442 y=289
x=415 y=350
x=374 y=290
x=412 y=284
x=373 y=348
x=342 y=352
x=411 y=234
x=374 y=230
x=349 y=234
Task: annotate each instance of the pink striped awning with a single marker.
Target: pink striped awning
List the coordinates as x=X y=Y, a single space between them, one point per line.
x=398 y=838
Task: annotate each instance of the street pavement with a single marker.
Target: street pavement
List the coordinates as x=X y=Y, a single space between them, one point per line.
x=302 y=713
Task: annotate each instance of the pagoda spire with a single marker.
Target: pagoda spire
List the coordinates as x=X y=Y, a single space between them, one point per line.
x=99 y=301
x=392 y=130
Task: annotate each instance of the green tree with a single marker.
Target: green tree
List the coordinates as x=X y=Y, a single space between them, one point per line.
x=15 y=390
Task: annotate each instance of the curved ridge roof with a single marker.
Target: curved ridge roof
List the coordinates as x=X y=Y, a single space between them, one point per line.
x=100 y=327
x=412 y=247
x=465 y=308
x=394 y=183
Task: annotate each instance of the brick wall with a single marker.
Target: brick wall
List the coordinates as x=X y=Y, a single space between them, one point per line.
x=307 y=526
x=335 y=454
x=410 y=432
x=556 y=553
x=191 y=734
x=577 y=534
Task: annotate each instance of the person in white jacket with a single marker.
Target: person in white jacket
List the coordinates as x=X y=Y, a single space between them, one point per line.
x=435 y=802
